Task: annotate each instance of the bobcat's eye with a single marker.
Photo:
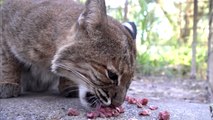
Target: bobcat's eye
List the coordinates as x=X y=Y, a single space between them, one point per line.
x=113 y=76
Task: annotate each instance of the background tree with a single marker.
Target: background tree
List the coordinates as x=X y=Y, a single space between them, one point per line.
x=126 y=10
x=194 y=42
x=210 y=45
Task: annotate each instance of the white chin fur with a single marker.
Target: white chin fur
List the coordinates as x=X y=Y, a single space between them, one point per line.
x=82 y=93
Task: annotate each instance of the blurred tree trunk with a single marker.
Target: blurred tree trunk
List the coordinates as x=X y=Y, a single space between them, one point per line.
x=210 y=45
x=186 y=30
x=126 y=10
x=194 y=42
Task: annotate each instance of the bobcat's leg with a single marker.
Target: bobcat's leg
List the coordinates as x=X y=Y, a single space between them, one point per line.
x=9 y=74
x=68 y=88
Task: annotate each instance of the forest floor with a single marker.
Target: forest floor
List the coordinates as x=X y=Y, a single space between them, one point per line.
x=185 y=99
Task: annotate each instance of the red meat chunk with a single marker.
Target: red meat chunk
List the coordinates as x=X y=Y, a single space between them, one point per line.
x=104 y=112
x=152 y=107
x=127 y=98
x=92 y=115
x=139 y=105
x=164 y=115
x=144 y=101
x=144 y=113
x=72 y=112
x=132 y=101
x=120 y=109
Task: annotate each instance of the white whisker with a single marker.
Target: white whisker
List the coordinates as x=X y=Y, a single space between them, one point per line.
x=83 y=78
x=95 y=102
x=92 y=97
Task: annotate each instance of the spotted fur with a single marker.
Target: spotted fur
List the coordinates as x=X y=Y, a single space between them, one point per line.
x=49 y=43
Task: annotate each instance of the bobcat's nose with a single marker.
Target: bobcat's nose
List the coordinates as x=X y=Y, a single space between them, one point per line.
x=118 y=97
x=115 y=101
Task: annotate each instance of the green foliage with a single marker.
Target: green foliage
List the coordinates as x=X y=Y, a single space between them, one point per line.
x=116 y=12
x=165 y=53
x=1 y=1
x=170 y=61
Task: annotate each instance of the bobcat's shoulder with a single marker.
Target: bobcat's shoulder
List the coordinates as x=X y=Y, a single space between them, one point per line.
x=32 y=29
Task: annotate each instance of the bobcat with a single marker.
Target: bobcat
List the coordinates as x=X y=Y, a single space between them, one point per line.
x=48 y=43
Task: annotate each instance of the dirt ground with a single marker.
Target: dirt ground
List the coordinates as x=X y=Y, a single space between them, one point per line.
x=164 y=88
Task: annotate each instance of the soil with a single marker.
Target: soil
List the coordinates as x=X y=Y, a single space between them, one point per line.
x=164 y=88
x=172 y=95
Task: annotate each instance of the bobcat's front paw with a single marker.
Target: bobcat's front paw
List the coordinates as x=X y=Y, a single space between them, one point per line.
x=9 y=90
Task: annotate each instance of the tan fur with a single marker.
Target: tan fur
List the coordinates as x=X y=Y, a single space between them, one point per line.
x=47 y=40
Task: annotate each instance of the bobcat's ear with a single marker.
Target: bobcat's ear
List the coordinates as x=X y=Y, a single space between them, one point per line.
x=132 y=29
x=94 y=14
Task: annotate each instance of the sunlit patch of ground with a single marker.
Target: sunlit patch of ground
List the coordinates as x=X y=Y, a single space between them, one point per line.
x=163 y=88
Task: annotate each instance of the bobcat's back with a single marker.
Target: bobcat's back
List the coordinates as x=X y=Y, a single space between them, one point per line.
x=32 y=28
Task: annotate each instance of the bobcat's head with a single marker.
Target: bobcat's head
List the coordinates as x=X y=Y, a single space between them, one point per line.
x=99 y=57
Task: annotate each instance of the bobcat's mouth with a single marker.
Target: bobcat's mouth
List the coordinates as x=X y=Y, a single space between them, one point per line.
x=97 y=100
x=94 y=99
x=103 y=96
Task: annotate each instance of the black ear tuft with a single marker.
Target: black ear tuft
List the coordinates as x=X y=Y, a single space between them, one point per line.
x=131 y=27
